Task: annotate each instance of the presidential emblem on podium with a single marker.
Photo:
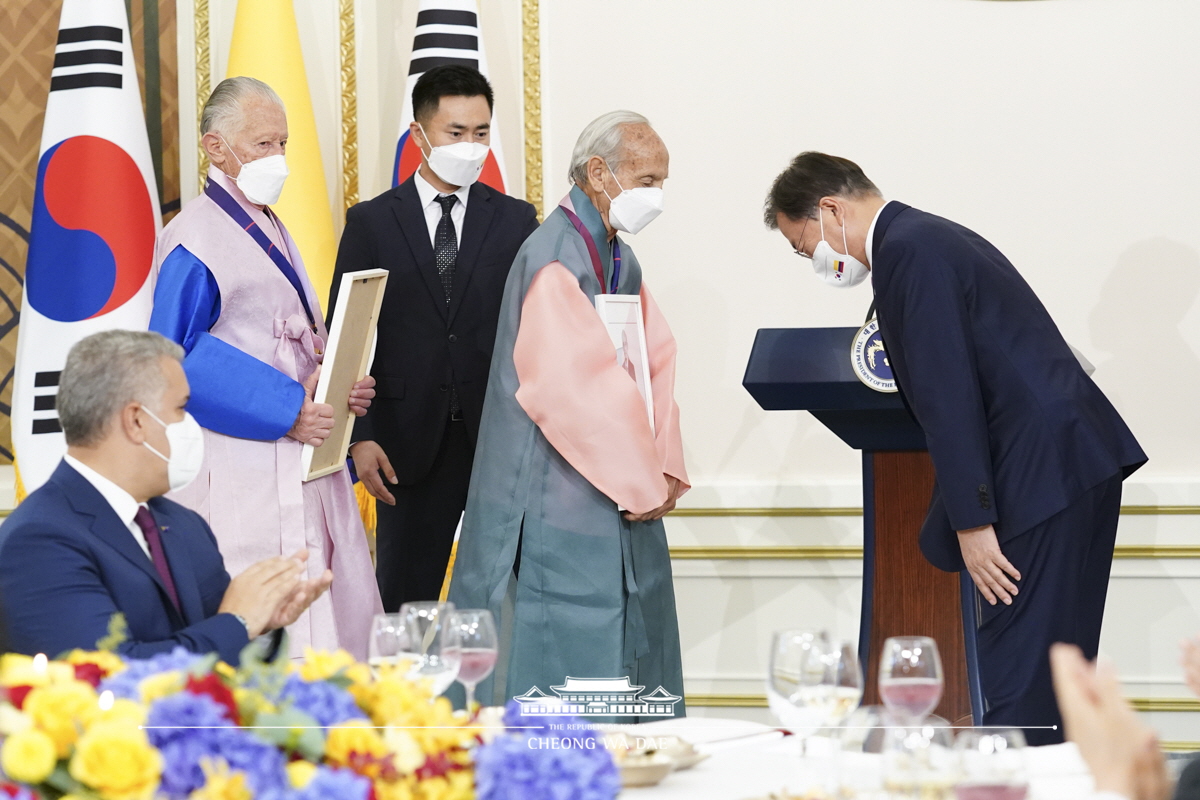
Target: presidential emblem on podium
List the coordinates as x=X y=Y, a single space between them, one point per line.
x=870 y=360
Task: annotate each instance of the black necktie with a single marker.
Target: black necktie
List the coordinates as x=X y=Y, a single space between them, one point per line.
x=445 y=244
x=445 y=255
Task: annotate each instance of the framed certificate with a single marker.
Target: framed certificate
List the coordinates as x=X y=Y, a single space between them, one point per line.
x=622 y=315
x=347 y=356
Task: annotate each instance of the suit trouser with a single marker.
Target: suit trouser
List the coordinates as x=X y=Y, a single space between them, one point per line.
x=1064 y=564
x=413 y=538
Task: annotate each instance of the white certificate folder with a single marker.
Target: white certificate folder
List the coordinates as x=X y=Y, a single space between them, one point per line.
x=347 y=356
x=622 y=316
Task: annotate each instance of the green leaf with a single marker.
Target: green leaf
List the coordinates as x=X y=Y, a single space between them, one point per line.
x=293 y=731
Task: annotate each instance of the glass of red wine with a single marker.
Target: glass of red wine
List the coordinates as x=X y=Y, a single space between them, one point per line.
x=480 y=648
x=992 y=764
x=910 y=677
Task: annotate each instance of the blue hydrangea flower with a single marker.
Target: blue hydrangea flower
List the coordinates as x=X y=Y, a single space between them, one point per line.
x=125 y=684
x=510 y=769
x=184 y=715
x=335 y=784
x=263 y=763
x=321 y=700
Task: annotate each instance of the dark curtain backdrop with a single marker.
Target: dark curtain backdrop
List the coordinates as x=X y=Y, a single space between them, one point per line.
x=27 y=35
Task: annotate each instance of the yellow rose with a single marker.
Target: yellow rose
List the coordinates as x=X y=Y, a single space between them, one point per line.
x=353 y=736
x=407 y=755
x=221 y=783
x=13 y=721
x=62 y=710
x=122 y=710
x=19 y=670
x=394 y=790
x=320 y=665
x=116 y=760
x=110 y=662
x=29 y=756
x=453 y=786
x=300 y=773
x=160 y=685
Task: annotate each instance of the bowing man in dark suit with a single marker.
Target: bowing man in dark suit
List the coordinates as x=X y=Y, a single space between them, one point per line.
x=448 y=243
x=97 y=539
x=1029 y=454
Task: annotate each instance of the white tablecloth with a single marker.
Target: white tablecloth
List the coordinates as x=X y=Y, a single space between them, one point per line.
x=762 y=761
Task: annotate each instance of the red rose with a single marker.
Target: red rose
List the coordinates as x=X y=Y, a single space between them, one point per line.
x=215 y=688
x=10 y=789
x=17 y=695
x=90 y=673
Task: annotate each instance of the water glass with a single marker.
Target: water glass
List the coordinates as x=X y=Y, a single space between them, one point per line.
x=796 y=671
x=480 y=647
x=434 y=643
x=910 y=677
x=992 y=764
x=389 y=642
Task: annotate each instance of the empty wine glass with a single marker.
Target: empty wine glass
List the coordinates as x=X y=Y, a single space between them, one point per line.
x=992 y=764
x=433 y=642
x=477 y=637
x=389 y=645
x=910 y=677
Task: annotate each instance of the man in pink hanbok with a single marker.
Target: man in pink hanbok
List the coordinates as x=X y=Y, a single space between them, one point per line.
x=231 y=288
x=563 y=536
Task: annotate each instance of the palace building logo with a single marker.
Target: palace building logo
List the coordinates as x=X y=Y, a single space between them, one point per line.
x=870 y=359
x=598 y=697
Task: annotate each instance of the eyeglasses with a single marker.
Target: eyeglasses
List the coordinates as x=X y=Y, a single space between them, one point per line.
x=797 y=251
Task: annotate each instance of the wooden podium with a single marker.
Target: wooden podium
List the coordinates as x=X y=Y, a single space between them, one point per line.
x=903 y=594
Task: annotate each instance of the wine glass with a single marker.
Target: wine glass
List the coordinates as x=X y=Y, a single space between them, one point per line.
x=480 y=647
x=918 y=760
x=910 y=677
x=433 y=642
x=795 y=667
x=993 y=765
x=845 y=681
x=389 y=642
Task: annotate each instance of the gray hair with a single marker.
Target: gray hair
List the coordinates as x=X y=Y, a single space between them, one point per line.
x=602 y=137
x=223 y=111
x=106 y=371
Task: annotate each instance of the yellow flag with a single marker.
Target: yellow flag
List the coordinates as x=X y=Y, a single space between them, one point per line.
x=266 y=45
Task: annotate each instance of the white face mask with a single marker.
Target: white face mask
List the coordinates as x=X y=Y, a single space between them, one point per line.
x=833 y=267
x=186 y=440
x=459 y=164
x=633 y=209
x=261 y=180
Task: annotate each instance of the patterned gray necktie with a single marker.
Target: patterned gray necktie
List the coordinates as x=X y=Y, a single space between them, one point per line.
x=445 y=244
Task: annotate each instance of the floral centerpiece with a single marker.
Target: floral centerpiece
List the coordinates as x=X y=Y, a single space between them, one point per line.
x=180 y=726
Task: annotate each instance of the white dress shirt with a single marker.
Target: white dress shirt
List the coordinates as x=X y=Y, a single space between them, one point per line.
x=122 y=502
x=433 y=211
x=871 y=232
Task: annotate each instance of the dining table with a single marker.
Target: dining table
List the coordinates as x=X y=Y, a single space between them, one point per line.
x=752 y=761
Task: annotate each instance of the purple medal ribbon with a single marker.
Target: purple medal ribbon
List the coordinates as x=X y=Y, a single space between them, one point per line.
x=233 y=209
x=595 y=254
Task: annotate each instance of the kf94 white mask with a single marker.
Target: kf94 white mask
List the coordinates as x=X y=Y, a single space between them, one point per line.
x=459 y=164
x=633 y=209
x=835 y=268
x=261 y=180
x=186 y=440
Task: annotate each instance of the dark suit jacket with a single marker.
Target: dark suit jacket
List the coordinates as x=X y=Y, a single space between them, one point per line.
x=423 y=346
x=68 y=563
x=1016 y=429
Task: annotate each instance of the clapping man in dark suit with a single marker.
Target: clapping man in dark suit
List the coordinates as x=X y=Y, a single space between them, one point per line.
x=1029 y=454
x=98 y=539
x=448 y=243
